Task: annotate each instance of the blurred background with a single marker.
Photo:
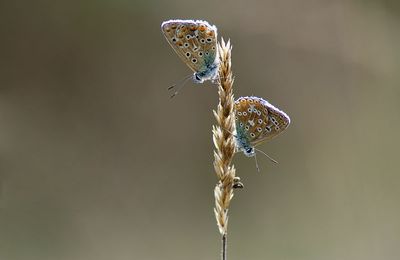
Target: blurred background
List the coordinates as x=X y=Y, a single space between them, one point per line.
x=96 y=161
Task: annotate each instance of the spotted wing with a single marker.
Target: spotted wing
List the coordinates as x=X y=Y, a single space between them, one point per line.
x=260 y=120
x=195 y=42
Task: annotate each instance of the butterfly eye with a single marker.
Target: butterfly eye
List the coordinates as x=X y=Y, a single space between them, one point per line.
x=186 y=44
x=188 y=37
x=200 y=54
x=202 y=41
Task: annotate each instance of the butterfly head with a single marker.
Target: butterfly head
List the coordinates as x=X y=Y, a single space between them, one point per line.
x=209 y=73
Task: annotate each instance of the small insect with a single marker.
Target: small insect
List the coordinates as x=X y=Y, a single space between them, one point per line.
x=195 y=42
x=257 y=121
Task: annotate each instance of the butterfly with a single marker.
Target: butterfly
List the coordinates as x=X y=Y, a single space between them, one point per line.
x=195 y=42
x=257 y=121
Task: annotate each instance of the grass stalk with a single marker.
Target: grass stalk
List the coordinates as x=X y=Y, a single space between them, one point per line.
x=224 y=143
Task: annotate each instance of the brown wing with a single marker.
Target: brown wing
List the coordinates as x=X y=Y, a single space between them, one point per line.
x=261 y=120
x=193 y=41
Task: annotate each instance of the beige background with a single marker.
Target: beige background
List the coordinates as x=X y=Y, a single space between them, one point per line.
x=96 y=162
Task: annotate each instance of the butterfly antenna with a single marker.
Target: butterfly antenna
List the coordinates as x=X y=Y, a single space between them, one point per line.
x=181 y=83
x=255 y=158
x=269 y=157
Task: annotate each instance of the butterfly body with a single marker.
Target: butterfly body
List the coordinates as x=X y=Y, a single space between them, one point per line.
x=257 y=121
x=195 y=42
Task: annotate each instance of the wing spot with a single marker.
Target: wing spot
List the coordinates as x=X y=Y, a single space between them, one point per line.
x=194 y=60
x=259 y=129
x=268 y=128
x=252 y=135
x=188 y=54
x=260 y=121
x=245 y=113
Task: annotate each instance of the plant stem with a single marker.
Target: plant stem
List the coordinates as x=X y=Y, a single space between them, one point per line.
x=223 y=253
x=224 y=142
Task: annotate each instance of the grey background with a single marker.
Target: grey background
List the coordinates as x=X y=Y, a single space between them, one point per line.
x=96 y=162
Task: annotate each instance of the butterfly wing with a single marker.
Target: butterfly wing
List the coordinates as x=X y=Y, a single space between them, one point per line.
x=260 y=120
x=195 y=42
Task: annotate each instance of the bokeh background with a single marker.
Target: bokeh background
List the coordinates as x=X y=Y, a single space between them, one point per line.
x=96 y=162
